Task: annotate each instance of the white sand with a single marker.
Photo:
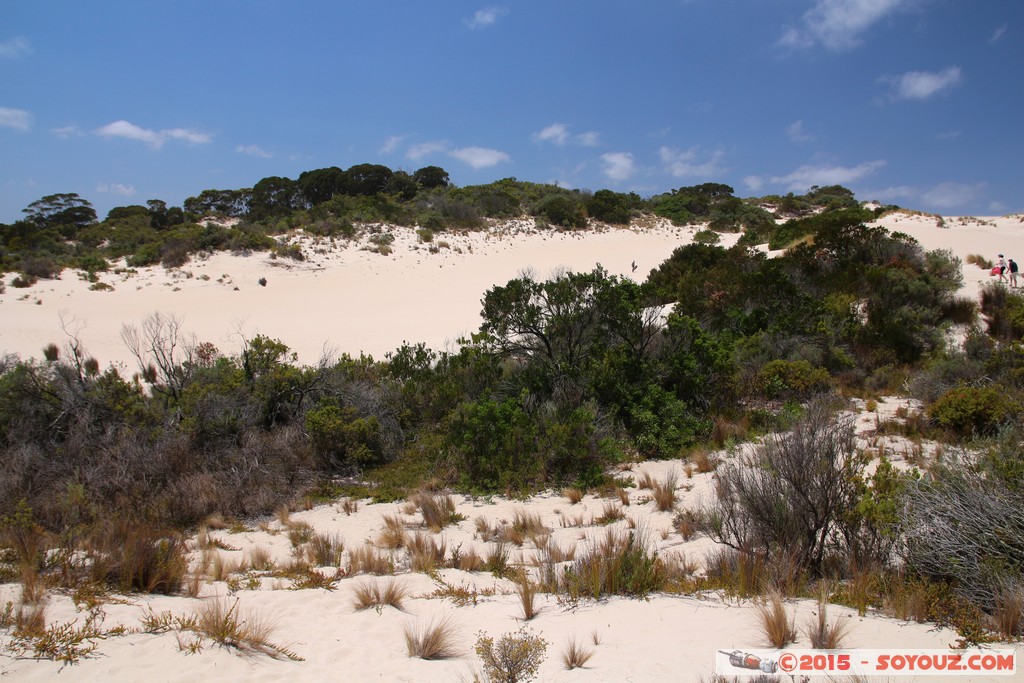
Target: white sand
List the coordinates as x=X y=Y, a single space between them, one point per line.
x=359 y=301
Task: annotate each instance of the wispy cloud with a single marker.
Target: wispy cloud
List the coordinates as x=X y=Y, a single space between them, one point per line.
x=254 y=151
x=920 y=85
x=153 y=138
x=808 y=175
x=948 y=135
x=795 y=132
x=391 y=144
x=558 y=133
x=422 y=149
x=480 y=157
x=65 y=132
x=18 y=119
x=485 y=17
x=617 y=166
x=998 y=33
x=476 y=157
x=117 y=188
x=19 y=46
x=839 y=24
x=687 y=163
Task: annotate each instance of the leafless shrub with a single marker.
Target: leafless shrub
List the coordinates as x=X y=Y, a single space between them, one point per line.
x=793 y=494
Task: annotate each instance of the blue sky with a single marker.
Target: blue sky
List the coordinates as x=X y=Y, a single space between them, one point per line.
x=914 y=102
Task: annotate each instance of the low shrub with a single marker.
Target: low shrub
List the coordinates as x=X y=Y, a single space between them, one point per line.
x=969 y=410
x=514 y=658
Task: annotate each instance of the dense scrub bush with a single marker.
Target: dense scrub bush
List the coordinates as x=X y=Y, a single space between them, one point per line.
x=791 y=379
x=968 y=410
x=1004 y=310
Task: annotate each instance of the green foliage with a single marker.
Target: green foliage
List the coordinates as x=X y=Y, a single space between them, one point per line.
x=968 y=410
x=791 y=379
x=342 y=438
x=611 y=207
x=562 y=211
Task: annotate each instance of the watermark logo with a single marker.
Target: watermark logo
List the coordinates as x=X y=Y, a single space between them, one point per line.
x=867 y=662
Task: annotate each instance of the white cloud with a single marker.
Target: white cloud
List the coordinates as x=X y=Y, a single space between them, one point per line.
x=479 y=157
x=948 y=135
x=391 y=144
x=795 y=132
x=153 y=138
x=485 y=17
x=117 y=188
x=618 y=166
x=417 y=152
x=557 y=133
x=839 y=24
x=254 y=151
x=65 y=132
x=803 y=178
x=998 y=33
x=920 y=85
x=18 y=119
x=15 y=47
x=754 y=183
x=683 y=163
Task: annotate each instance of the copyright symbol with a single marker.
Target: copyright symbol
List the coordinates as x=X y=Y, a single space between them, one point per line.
x=787 y=661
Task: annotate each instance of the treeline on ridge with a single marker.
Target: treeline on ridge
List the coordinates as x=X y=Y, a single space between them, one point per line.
x=63 y=231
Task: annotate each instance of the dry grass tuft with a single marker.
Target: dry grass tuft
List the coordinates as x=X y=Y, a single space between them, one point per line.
x=260 y=558
x=575 y=656
x=467 y=561
x=249 y=634
x=426 y=554
x=776 y=624
x=573 y=494
x=349 y=506
x=822 y=634
x=435 y=640
x=527 y=592
x=704 y=461
x=375 y=594
x=326 y=551
x=366 y=560
x=665 y=493
x=610 y=513
x=644 y=480
x=1009 y=613
x=438 y=510
x=393 y=535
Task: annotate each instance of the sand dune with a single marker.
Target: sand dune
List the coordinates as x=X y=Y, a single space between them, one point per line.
x=357 y=301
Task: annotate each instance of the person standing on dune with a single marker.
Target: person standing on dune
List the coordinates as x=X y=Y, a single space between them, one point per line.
x=1001 y=265
x=1013 y=273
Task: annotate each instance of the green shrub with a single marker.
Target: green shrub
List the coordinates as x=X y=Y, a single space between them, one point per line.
x=791 y=379
x=967 y=410
x=514 y=658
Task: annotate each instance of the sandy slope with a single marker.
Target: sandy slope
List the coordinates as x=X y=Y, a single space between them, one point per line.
x=360 y=301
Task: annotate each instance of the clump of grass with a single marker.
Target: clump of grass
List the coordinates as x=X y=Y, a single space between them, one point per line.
x=822 y=634
x=299 y=532
x=776 y=624
x=484 y=528
x=349 y=506
x=393 y=536
x=1008 y=613
x=228 y=627
x=610 y=513
x=617 y=565
x=426 y=554
x=498 y=561
x=375 y=594
x=573 y=494
x=434 y=640
x=366 y=560
x=644 y=480
x=704 y=461
x=67 y=642
x=665 y=493
x=326 y=551
x=527 y=592
x=467 y=561
x=438 y=510
x=736 y=572
x=980 y=261
x=687 y=523
x=260 y=558
x=575 y=655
